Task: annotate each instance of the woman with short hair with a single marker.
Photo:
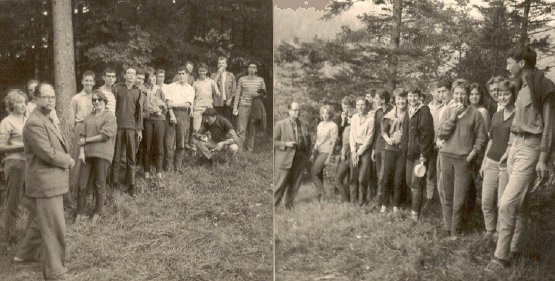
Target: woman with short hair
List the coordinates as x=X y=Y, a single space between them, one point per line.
x=97 y=151
x=327 y=133
x=494 y=166
x=462 y=129
x=360 y=141
x=11 y=144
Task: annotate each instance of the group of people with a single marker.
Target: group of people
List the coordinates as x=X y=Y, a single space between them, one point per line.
x=140 y=120
x=462 y=142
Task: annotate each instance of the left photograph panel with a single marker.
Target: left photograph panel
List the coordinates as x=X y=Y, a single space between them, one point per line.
x=136 y=140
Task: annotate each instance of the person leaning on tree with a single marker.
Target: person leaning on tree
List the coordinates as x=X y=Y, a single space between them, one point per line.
x=291 y=148
x=528 y=153
x=222 y=136
x=46 y=180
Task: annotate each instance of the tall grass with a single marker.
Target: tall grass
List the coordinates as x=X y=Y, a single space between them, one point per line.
x=207 y=224
x=337 y=241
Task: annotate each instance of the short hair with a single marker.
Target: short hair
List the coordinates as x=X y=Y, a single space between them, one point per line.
x=46 y=86
x=462 y=84
x=415 y=91
x=222 y=58
x=444 y=82
x=32 y=81
x=511 y=86
x=249 y=63
x=400 y=92
x=160 y=71
x=189 y=62
x=101 y=95
x=494 y=80
x=11 y=98
x=383 y=95
x=182 y=68
x=524 y=53
x=131 y=67
x=359 y=98
x=480 y=90
x=108 y=70
x=210 y=112
x=88 y=73
x=141 y=71
x=149 y=72
x=291 y=103
x=202 y=65
x=327 y=108
x=347 y=100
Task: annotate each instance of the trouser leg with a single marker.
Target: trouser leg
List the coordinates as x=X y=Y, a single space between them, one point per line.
x=14 y=171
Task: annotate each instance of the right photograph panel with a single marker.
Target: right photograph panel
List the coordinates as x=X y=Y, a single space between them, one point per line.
x=413 y=140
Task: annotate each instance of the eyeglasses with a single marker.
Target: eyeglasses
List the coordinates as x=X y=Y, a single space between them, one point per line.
x=97 y=100
x=48 y=97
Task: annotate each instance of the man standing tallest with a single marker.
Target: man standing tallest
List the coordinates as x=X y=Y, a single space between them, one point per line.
x=228 y=85
x=529 y=150
x=129 y=115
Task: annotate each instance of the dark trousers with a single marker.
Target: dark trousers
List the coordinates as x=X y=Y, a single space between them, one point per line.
x=392 y=176
x=456 y=176
x=175 y=138
x=288 y=181
x=417 y=185
x=317 y=173
x=344 y=171
x=154 y=144
x=93 y=173
x=360 y=178
x=45 y=236
x=126 y=140
x=14 y=172
x=373 y=175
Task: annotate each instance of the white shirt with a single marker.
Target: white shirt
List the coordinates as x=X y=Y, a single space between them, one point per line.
x=180 y=95
x=223 y=86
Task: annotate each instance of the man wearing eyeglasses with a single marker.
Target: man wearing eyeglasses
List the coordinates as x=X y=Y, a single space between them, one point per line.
x=46 y=180
x=109 y=78
x=180 y=97
x=291 y=154
x=129 y=115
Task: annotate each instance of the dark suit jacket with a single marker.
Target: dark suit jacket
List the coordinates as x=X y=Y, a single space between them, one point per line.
x=283 y=132
x=46 y=150
x=230 y=87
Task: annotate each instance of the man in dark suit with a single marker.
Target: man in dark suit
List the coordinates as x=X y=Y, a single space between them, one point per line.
x=291 y=149
x=46 y=180
x=227 y=84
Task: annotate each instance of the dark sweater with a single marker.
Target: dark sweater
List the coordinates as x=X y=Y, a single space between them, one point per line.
x=462 y=135
x=420 y=134
x=499 y=132
x=129 y=107
x=103 y=124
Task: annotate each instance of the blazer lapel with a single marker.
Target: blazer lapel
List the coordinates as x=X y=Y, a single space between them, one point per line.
x=52 y=128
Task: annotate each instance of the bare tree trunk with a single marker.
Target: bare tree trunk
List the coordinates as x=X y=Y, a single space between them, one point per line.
x=524 y=28
x=64 y=59
x=393 y=62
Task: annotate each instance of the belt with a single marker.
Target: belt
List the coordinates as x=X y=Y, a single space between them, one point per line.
x=526 y=134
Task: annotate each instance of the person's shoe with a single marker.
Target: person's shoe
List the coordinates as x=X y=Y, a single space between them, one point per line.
x=395 y=210
x=147 y=176
x=383 y=209
x=496 y=266
x=414 y=216
x=159 y=176
x=17 y=260
x=95 y=219
x=495 y=237
x=131 y=191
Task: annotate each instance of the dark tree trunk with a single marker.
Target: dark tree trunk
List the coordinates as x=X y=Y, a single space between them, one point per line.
x=393 y=62
x=524 y=27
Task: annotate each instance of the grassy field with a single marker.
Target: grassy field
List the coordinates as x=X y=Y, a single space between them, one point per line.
x=207 y=224
x=336 y=241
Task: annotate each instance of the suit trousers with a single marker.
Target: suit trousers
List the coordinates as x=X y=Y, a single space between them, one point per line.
x=45 y=237
x=126 y=140
x=175 y=138
x=288 y=181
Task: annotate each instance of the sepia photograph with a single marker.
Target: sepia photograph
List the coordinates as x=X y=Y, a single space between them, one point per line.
x=135 y=140
x=413 y=140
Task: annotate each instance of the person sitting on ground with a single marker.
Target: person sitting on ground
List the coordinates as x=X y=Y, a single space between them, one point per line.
x=222 y=136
